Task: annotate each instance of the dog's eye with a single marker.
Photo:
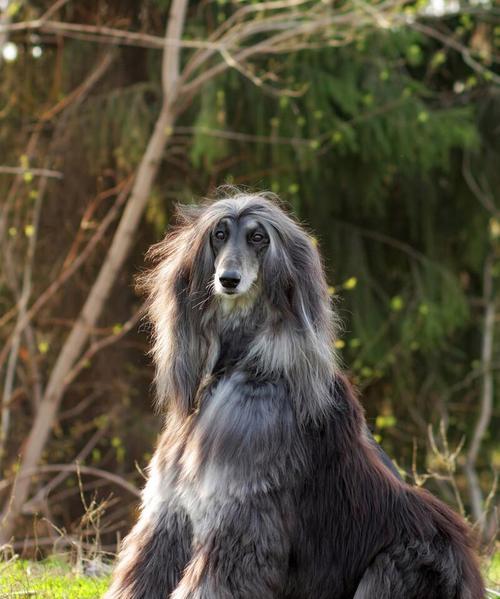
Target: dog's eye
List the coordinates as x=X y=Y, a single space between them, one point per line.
x=257 y=237
x=220 y=235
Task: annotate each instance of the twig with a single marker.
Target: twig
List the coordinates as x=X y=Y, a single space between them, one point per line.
x=99 y=345
x=81 y=406
x=456 y=45
x=119 y=190
x=23 y=306
x=66 y=274
x=36 y=172
x=307 y=25
x=74 y=344
x=73 y=468
x=107 y=35
x=486 y=406
x=5 y=18
x=483 y=196
x=245 y=137
x=449 y=458
x=44 y=492
x=53 y=9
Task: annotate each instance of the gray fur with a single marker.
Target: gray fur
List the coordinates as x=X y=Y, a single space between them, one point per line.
x=187 y=316
x=265 y=483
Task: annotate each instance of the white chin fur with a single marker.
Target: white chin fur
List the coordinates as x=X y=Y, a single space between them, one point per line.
x=242 y=289
x=238 y=300
x=229 y=293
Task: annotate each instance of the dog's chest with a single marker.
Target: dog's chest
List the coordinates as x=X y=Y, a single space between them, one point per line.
x=239 y=445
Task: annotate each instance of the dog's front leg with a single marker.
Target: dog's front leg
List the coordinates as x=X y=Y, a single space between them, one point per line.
x=158 y=548
x=153 y=557
x=244 y=557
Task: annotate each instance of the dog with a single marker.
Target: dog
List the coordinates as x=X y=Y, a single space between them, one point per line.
x=266 y=483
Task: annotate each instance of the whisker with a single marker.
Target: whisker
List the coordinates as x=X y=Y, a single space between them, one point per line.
x=200 y=304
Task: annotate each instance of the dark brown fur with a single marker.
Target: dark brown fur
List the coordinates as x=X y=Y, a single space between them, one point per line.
x=266 y=483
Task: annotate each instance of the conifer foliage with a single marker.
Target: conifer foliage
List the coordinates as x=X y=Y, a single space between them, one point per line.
x=377 y=121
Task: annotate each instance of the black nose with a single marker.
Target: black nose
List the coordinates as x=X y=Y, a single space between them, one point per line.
x=229 y=279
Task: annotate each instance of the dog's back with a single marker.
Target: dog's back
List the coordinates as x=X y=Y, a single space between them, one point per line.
x=363 y=533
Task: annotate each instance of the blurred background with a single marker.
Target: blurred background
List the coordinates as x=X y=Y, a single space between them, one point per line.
x=379 y=123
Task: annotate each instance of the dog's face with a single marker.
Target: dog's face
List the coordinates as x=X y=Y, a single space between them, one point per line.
x=239 y=245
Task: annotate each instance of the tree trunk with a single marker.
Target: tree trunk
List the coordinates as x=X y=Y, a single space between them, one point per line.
x=111 y=266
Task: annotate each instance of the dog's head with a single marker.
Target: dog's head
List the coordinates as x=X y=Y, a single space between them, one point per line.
x=246 y=245
x=239 y=243
x=236 y=253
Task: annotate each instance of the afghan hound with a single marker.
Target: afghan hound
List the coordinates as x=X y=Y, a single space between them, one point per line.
x=266 y=483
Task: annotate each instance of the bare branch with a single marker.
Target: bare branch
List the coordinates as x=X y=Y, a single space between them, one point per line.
x=116 y=255
x=99 y=345
x=71 y=100
x=73 y=267
x=4 y=34
x=36 y=172
x=44 y=492
x=107 y=35
x=486 y=405
x=245 y=137
x=449 y=41
x=234 y=37
x=53 y=9
x=23 y=306
x=44 y=469
x=293 y=30
x=482 y=195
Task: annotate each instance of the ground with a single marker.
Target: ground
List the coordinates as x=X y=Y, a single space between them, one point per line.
x=50 y=579
x=55 y=578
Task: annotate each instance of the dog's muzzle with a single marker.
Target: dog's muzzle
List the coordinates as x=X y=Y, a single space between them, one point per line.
x=229 y=280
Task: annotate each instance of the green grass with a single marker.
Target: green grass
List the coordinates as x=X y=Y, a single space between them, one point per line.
x=492 y=572
x=51 y=579
x=54 y=578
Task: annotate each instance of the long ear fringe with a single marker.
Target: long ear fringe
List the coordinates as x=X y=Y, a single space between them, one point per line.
x=300 y=345
x=295 y=280
x=175 y=350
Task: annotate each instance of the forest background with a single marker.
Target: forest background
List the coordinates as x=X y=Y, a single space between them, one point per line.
x=377 y=121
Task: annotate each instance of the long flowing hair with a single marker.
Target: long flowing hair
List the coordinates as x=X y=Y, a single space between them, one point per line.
x=294 y=339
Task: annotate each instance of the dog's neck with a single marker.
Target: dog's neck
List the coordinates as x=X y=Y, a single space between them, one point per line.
x=236 y=323
x=257 y=339
x=234 y=308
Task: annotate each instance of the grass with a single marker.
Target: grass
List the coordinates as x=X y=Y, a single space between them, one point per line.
x=55 y=578
x=51 y=579
x=492 y=573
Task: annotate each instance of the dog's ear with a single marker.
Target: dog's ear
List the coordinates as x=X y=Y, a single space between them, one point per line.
x=187 y=248
x=277 y=274
x=294 y=279
x=310 y=291
x=177 y=287
x=200 y=262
